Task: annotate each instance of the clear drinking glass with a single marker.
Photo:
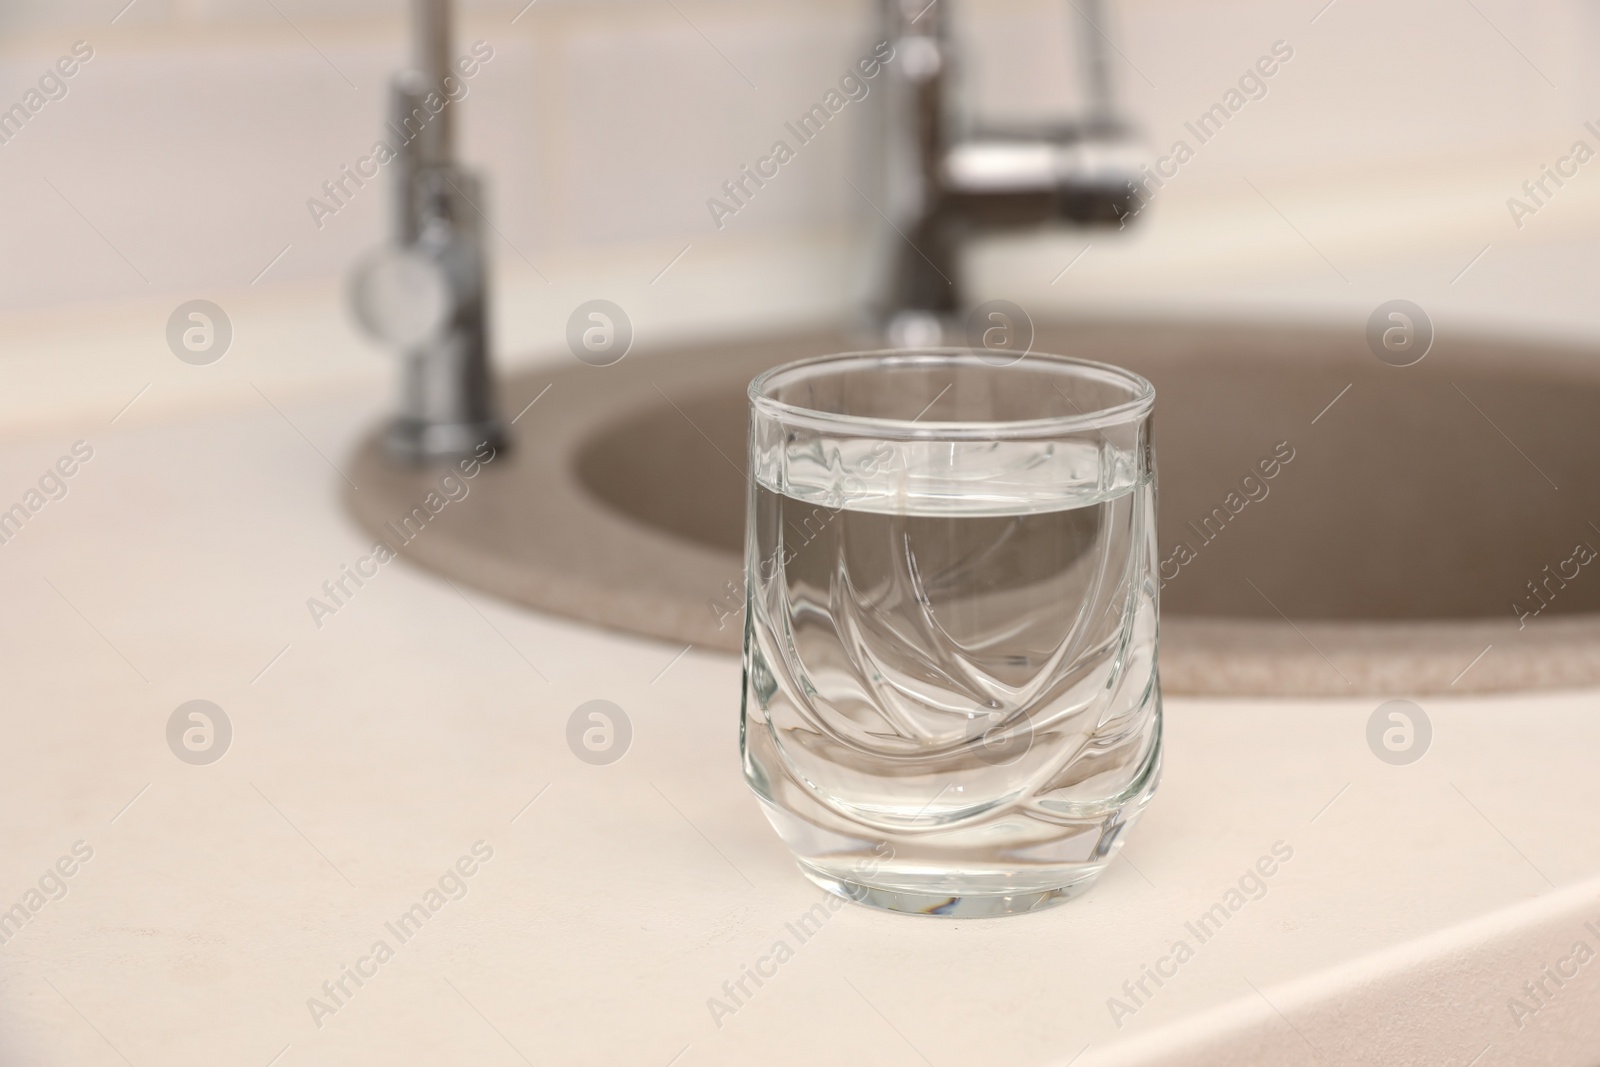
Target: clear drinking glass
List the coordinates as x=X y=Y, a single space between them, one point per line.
x=951 y=703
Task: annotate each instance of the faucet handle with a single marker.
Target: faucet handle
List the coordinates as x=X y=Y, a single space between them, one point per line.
x=411 y=293
x=401 y=297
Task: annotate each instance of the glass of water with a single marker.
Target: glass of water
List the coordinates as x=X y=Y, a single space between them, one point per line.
x=951 y=703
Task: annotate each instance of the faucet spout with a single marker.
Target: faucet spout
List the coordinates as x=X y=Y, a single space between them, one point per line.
x=946 y=185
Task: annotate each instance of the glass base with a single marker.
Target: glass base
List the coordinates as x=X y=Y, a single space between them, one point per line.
x=1012 y=861
x=936 y=901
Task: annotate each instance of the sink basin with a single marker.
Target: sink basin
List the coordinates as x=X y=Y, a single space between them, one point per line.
x=1329 y=524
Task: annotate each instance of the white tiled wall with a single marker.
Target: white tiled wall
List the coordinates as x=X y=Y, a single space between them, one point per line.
x=184 y=154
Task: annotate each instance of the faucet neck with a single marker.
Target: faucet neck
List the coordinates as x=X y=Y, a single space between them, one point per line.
x=431 y=64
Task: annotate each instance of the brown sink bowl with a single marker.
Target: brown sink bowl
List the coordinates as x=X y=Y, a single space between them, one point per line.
x=1423 y=538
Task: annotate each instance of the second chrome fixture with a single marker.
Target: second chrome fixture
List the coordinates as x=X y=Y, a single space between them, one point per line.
x=426 y=295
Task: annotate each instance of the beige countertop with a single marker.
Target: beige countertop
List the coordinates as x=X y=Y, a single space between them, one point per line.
x=371 y=754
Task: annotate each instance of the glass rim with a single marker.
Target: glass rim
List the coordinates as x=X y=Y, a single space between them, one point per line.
x=1139 y=406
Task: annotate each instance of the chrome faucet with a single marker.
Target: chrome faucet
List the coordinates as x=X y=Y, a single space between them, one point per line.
x=427 y=294
x=944 y=184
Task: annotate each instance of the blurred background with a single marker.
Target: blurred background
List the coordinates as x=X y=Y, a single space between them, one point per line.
x=181 y=160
